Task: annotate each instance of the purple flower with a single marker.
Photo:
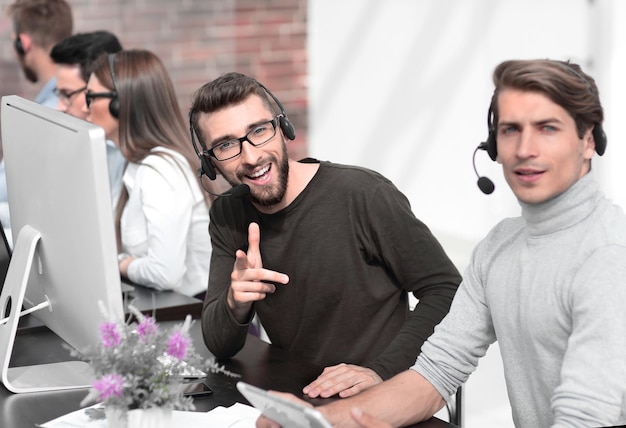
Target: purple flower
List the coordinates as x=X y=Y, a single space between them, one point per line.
x=109 y=386
x=110 y=336
x=146 y=327
x=177 y=345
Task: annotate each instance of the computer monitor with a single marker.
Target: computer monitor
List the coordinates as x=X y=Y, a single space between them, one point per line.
x=64 y=250
x=5 y=256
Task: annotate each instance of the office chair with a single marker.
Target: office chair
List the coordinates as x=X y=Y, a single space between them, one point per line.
x=456 y=408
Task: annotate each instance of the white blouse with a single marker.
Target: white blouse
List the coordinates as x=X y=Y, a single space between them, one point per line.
x=165 y=224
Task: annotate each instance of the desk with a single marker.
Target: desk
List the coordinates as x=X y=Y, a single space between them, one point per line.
x=165 y=305
x=258 y=363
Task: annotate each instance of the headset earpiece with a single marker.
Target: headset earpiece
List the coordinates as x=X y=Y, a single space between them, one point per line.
x=285 y=125
x=206 y=166
x=492 y=148
x=598 y=133
x=17 y=43
x=490 y=145
x=600 y=138
x=114 y=104
x=287 y=128
x=114 y=107
x=19 y=47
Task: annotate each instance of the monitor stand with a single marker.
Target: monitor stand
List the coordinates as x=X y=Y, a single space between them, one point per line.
x=36 y=378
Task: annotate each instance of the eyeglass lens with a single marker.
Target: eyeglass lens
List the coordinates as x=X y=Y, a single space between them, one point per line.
x=258 y=136
x=67 y=96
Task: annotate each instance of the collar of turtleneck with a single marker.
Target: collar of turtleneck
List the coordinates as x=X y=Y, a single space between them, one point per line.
x=563 y=211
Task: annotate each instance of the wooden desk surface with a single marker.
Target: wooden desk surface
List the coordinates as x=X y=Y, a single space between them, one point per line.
x=258 y=364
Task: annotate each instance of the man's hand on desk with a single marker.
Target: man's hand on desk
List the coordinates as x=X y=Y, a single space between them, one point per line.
x=249 y=281
x=343 y=379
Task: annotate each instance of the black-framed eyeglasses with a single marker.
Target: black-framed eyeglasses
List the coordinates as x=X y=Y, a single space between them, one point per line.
x=66 y=96
x=259 y=135
x=90 y=96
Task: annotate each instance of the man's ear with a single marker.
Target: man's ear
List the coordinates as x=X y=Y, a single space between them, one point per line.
x=27 y=41
x=589 y=144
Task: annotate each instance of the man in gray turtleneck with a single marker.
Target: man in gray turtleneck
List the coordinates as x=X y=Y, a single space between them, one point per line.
x=549 y=286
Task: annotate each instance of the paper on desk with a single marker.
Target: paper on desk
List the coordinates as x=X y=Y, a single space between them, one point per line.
x=236 y=416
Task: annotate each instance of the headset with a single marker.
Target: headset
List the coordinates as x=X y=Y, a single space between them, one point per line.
x=491 y=147
x=17 y=43
x=114 y=104
x=206 y=165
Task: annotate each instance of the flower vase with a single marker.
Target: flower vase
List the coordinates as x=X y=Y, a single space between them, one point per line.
x=155 y=417
x=116 y=417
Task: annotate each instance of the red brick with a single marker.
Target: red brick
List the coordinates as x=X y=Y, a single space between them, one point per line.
x=198 y=40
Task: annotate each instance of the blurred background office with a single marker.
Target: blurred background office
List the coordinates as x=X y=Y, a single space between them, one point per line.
x=400 y=86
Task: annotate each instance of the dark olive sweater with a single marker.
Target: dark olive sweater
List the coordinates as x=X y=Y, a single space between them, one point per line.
x=353 y=249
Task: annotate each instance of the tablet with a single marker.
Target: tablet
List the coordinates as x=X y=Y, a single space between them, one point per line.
x=286 y=412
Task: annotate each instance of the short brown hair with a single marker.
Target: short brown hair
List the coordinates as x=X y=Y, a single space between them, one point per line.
x=47 y=22
x=562 y=82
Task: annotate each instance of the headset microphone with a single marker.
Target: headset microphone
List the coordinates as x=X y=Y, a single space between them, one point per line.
x=484 y=184
x=238 y=191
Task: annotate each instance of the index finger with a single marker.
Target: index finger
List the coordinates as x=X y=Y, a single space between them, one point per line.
x=254 y=252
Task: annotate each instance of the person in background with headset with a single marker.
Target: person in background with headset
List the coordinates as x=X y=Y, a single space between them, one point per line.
x=74 y=57
x=549 y=286
x=162 y=214
x=324 y=254
x=37 y=26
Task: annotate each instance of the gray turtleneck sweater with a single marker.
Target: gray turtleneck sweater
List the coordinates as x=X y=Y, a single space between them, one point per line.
x=550 y=287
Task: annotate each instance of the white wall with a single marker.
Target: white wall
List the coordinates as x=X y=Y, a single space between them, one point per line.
x=403 y=87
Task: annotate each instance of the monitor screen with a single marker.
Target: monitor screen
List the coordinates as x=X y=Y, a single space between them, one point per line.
x=58 y=186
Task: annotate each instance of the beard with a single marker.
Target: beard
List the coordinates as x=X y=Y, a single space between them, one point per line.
x=274 y=195
x=268 y=195
x=29 y=73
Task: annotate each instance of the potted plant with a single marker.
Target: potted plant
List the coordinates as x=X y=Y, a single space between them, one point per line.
x=140 y=370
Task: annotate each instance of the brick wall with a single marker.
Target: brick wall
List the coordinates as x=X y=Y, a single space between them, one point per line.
x=198 y=40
